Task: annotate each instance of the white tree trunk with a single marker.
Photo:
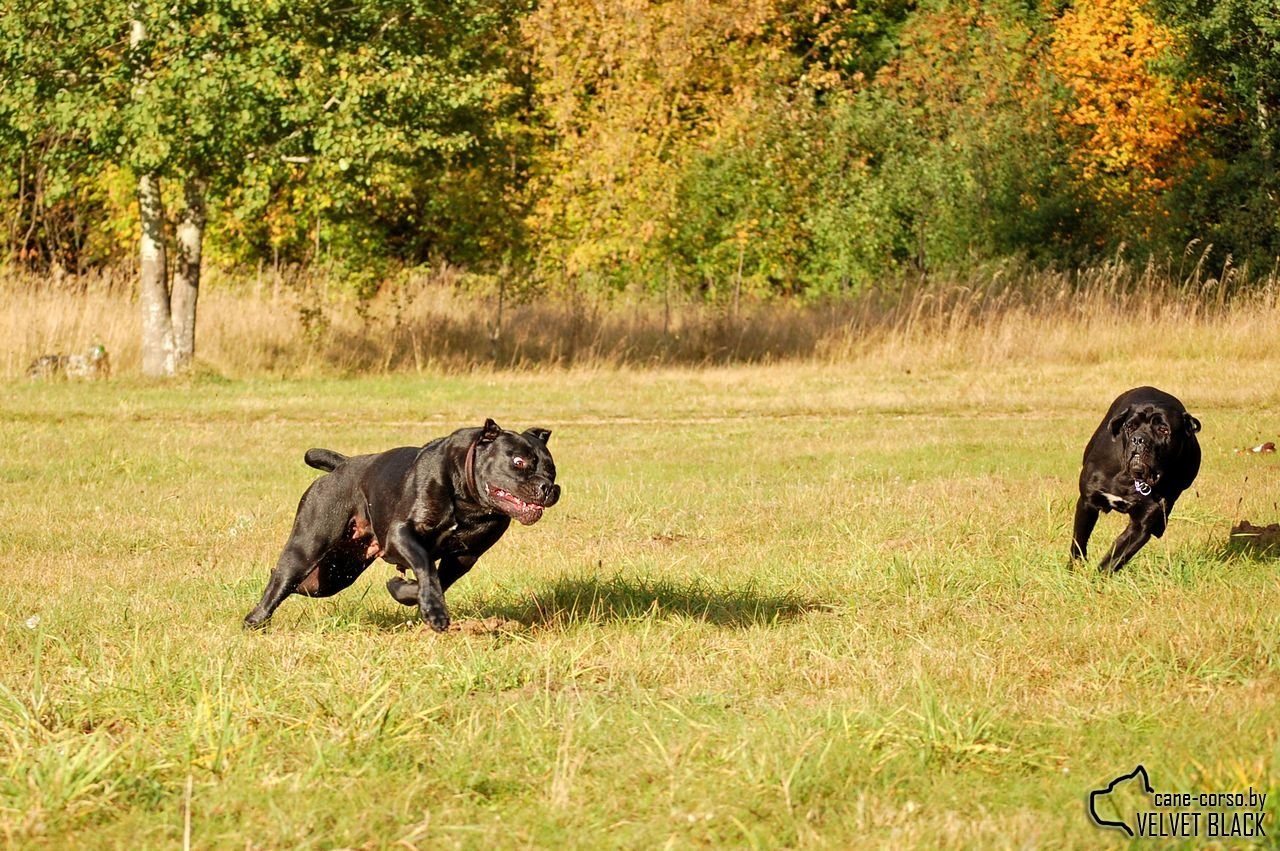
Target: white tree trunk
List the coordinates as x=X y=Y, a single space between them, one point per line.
x=158 y=359
x=186 y=275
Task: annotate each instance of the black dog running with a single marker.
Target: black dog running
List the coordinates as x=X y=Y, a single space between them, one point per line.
x=1138 y=462
x=433 y=509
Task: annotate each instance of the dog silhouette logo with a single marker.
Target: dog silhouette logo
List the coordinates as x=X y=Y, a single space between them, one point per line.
x=1107 y=806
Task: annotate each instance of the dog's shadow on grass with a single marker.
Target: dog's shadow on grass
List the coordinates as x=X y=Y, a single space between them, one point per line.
x=578 y=600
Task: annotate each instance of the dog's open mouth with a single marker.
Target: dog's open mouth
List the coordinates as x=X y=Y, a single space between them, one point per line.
x=527 y=513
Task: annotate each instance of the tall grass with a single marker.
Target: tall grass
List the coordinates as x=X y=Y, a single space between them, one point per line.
x=443 y=320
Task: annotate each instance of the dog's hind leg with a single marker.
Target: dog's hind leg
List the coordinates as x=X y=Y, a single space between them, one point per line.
x=299 y=560
x=1086 y=519
x=318 y=526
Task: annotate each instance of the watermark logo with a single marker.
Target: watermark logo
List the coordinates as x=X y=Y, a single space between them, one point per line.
x=1130 y=804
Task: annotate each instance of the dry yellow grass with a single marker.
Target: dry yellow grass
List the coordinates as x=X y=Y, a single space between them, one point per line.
x=437 y=322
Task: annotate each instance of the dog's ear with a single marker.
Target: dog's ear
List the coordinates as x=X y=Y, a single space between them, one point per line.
x=1117 y=422
x=490 y=432
x=542 y=435
x=1190 y=423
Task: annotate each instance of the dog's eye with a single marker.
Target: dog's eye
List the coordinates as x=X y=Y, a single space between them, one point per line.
x=1162 y=430
x=519 y=463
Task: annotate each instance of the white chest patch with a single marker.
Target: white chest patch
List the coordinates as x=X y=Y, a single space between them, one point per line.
x=1118 y=503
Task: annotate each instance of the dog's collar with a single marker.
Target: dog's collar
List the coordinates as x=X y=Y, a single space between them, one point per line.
x=1142 y=487
x=469 y=470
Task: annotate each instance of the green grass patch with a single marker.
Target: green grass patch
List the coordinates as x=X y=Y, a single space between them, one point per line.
x=778 y=606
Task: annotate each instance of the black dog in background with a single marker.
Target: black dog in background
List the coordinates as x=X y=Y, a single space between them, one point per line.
x=433 y=509
x=1138 y=462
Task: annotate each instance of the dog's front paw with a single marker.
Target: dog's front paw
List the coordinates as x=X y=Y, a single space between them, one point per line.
x=434 y=613
x=437 y=619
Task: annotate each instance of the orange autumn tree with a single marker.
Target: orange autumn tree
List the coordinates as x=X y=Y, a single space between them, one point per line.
x=1128 y=120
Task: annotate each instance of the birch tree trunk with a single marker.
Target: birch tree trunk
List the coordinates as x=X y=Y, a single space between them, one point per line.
x=186 y=275
x=153 y=293
x=157 y=323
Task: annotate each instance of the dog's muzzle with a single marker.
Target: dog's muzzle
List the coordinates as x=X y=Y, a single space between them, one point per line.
x=1144 y=473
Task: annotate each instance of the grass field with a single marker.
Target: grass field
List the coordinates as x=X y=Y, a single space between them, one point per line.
x=805 y=604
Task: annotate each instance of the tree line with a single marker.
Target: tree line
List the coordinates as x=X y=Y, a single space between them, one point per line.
x=785 y=146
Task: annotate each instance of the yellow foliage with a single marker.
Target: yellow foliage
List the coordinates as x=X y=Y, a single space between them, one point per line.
x=624 y=87
x=1129 y=123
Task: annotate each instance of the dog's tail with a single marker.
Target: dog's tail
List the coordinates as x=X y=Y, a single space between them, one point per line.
x=324 y=459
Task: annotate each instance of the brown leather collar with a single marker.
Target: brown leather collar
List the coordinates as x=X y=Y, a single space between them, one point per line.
x=469 y=468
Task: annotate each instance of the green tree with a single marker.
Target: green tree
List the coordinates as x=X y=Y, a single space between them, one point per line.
x=948 y=158
x=235 y=99
x=1230 y=198
x=675 y=132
